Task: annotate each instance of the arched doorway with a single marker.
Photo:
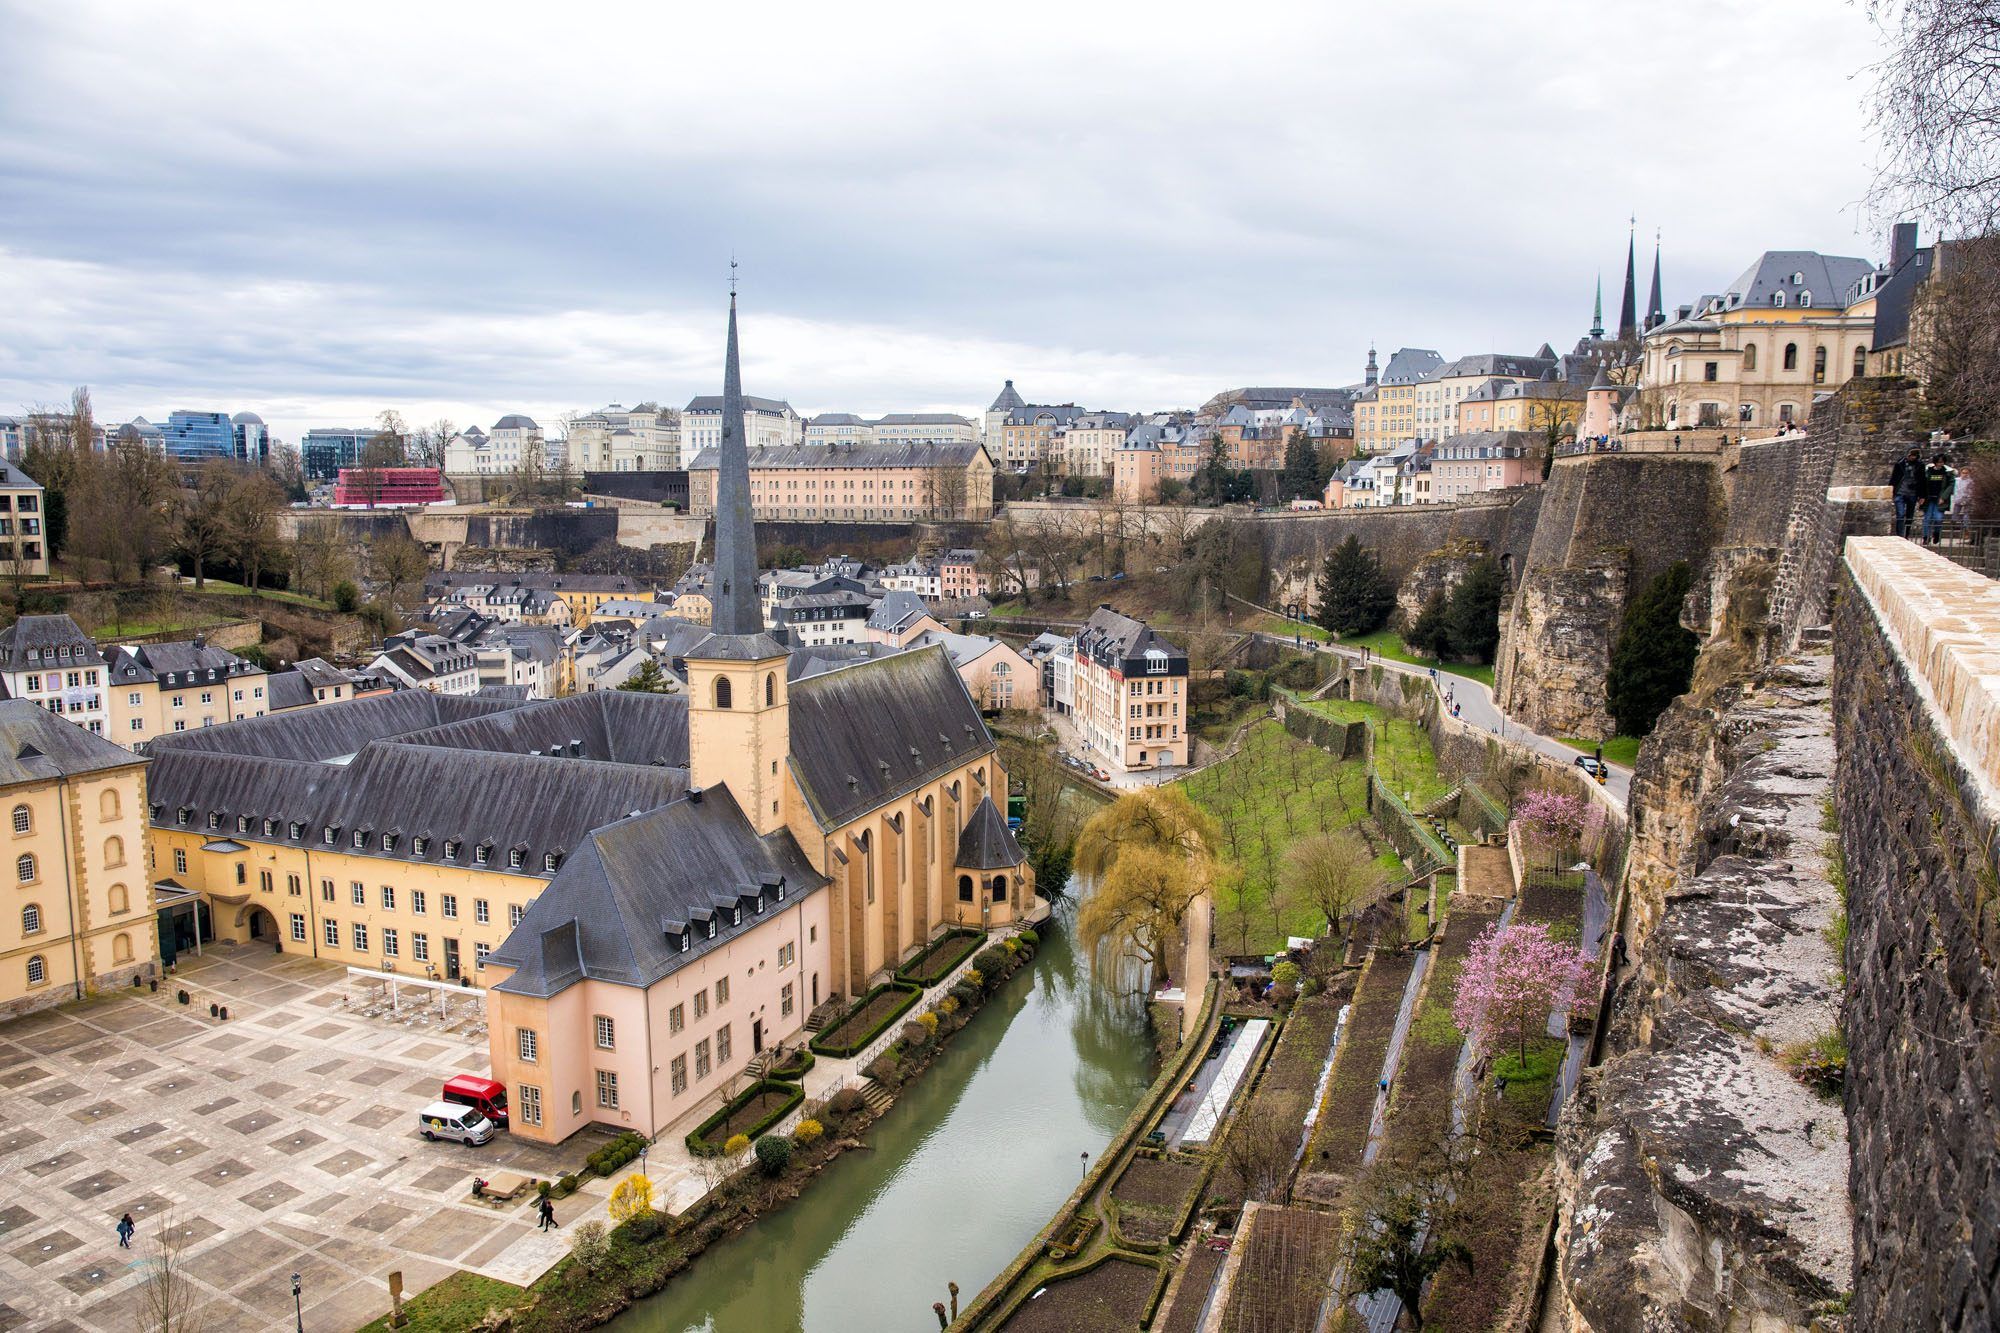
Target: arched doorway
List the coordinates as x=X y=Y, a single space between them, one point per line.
x=263 y=926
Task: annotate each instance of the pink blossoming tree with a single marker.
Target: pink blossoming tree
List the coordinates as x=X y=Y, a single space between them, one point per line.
x=1556 y=822
x=1513 y=980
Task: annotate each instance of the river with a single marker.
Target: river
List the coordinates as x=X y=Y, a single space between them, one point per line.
x=969 y=1164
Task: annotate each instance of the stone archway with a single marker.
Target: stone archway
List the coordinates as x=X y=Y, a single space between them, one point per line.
x=260 y=923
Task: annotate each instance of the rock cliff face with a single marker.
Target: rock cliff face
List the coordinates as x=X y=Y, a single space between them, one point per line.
x=1556 y=646
x=1704 y=1187
x=1438 y=572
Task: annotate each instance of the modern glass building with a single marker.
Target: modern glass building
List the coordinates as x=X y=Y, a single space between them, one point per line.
x=196 y=437
x=253 y=438
x=327 y=449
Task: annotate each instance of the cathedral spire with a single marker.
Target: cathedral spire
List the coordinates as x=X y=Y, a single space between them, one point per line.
x=1655 y=316
x=734 y=594
x=1628 y=311
x=1597 y=312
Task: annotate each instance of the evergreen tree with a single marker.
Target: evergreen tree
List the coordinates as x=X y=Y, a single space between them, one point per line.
x=1654 y=659
x=1211 y=479
x=1355 y=596
x=648 y=679
x=1300 y=480
x=1473 y=619
x=1430 y=634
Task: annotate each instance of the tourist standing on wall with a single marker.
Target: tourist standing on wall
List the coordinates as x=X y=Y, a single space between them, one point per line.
x=1939 y=482
x=1906 y=482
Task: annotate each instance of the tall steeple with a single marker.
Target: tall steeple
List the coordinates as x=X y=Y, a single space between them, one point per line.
x=1368 y=378
x=734 y=595
x=1628 y=311
x=1655 y=316
x=1597 y=312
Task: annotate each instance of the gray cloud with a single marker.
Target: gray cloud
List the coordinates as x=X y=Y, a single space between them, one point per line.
x=471 y=209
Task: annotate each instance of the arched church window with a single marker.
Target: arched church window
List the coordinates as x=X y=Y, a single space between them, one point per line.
x=770 y=688
x=1750 y=356
x=722 y=692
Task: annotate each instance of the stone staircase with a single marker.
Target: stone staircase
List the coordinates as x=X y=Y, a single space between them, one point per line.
x=825 y=1014
x=876 y=1097
x=758 y=1064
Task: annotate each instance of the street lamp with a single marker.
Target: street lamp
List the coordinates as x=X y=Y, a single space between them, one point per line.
x=298 y=1309
x=1085 y=1157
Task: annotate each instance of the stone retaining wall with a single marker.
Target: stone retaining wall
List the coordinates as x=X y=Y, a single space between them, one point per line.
x=1917 y=705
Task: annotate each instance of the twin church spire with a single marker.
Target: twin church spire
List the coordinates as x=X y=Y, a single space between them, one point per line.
x=1629 y=327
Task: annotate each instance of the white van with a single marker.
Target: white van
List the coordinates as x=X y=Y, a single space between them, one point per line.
x=447 y=1120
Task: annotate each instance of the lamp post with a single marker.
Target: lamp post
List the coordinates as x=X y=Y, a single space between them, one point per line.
x=298 y=1308
x=1085 y=1158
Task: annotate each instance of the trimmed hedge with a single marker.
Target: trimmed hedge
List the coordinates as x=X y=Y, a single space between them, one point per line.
x=956 y=943
x=785 y=1071
x=697 y=1139
x=615 y=1153
x=822 y=1042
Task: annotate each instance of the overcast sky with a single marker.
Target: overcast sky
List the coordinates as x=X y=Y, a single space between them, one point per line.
x=318 y=211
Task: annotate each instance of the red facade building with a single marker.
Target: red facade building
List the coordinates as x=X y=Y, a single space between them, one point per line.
x=388 y=486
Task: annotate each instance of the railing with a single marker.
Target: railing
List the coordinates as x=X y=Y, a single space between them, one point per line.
x=1973 y=545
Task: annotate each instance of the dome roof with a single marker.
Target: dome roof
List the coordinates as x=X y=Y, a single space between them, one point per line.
x=246 y=419
x=515 y=421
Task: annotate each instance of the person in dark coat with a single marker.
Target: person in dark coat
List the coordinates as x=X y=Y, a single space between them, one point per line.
x=1906 y=483
x=126 y=1228
x=1939 y=482
x=549 y=1215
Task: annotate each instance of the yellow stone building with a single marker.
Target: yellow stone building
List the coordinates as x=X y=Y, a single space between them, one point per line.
x=80 y=912
x=156 y=689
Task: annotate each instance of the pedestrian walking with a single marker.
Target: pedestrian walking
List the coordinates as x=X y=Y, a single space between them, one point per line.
x=1906 y=484
x=1618 y=954
x=1939 y=482
x=548 y=1215
x=126 y=1228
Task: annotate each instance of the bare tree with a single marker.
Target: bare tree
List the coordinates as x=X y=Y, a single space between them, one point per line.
x=1954 y=344
x=169 y=1301
x=321 y=558
x=1936 y=109
x=948 y=489
x=202 y=515
x=1333 y=872
x=399 y=562
x=122 y=506
x=1257 y=1155
x=250 y=533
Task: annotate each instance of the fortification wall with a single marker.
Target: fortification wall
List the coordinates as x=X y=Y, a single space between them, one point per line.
x=1501 y=524
x=1917 y=712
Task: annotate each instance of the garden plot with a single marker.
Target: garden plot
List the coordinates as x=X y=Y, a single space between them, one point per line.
x=1111 y=1298
x=1228 y=1074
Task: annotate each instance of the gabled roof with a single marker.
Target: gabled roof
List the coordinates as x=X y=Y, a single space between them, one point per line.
x=900 y=454
x=897 y=611
x=330 y=730
x=175 y=664
x=1830 y=279
x=32 y=642
x=616 y=909
x=1407 y=365
x=865 y=733
x=609 y=726
x=36 y=745
x=13 y=479
x=986 y=843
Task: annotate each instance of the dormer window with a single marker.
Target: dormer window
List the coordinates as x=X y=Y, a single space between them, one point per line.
x=708 y=928
x=359 y=839
x=687 y=939
x=736 y=916
x=297 y=830
x=420 y=845
x=482 y=853
x=214 y=820
x=389 y=841
x=550 y=860
x=781 y=890
x=331 y=835
x=242 y=823
x=514 y=859
x=183 y=815
x=451 y=848
x=270 y=828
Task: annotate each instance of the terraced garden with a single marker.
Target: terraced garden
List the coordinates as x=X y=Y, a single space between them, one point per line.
x=1113 y=1297
x=1334 y=1152
x=1280 y=1281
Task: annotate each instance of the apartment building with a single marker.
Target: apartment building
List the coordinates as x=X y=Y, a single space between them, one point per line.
x=646 y=438
x=1086 y=446
x=428 y=662
x=23 y=505
x=53 y=664
x=900 y=483
x=159 y=688
x=1484 y=460
x=80 y=917
x=1130 y=693
x=1387 y=411
x=1438 y=393
x=1028 y=433
x=770 y=423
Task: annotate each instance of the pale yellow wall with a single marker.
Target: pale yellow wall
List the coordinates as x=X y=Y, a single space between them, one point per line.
x=92 y=885
x=862 y=493
x=157 y=712
x=743 y=747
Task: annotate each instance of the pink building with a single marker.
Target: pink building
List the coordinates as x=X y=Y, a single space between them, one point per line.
x=1485 y=460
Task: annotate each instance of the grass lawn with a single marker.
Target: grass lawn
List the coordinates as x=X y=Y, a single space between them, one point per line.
x=1287 y=628
x=1387 y=643
x=1620 y=750
x=1272 y=792
x=1403 y=754
x=458 y=1302
x=226 y=588
x=132 y=629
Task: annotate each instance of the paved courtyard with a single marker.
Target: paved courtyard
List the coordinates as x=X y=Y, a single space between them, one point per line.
x=279 y=1141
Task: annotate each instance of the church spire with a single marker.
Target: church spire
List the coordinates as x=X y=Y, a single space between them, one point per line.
x=1655 y=316
x=1628 y=311
x=734 y=594
x=1597 y=312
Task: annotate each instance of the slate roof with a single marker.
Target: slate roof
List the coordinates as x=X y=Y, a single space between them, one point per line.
x=616 y=910
x=1897 y=295
x=900 y=454
x=330 y=730
x=287 y=689
x=712 y=402
x=1830 y=279
x=1115 y=640
x=986 y=843
x=13 y=479
x=175 y=664
x=499 y=801
x=820 y=658
x=1407 y=365
x=1007 y=399
x=32 y=642
x=515 y=421
x=865 y=733
x=610 y=726
x=36 y=745
x=837 y=419
x=897 y=611
x=1494 y=363
x=923 y=419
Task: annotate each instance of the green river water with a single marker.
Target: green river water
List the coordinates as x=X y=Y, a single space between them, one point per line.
x=969 y=1164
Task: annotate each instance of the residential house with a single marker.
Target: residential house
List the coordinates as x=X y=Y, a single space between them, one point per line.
x=158 y=688
x=50 y=662
x=1130 y=694
x=23 y=506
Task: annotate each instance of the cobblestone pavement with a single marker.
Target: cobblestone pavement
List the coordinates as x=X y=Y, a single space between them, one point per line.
x=279 y=1141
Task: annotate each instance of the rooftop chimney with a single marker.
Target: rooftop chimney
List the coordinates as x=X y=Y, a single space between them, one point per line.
x=1902 y=245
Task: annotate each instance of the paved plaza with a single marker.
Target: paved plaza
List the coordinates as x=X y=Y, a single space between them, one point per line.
x=279 y=1141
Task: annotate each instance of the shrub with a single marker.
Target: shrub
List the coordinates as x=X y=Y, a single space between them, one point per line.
x=916 y=1034
x=845 y=1102
x=774 y=1154
x=643 y=1227
x=1011 y=946
x=929 y=1022
x=588 y=1246
x=567 y=1184
x=346 y=597
x=1029 y=938
x=991 y=962
x=967 y=990
x=808 y=1132
x=1285 y=973
x=737 y=1144
x=948 y=1005
x=883 y=1067
x=973 y=978
x=630 y=1197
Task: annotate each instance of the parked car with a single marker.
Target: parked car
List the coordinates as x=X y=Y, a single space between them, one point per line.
x=1592 y=765
x=449 y=1120
x=481 y=1094
x=1101 y=775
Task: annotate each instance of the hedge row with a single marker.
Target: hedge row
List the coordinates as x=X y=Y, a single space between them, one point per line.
x=615 y=1153
x=697 y=1140
x=822 y=1043
x=958 y=942
x=781 y=1071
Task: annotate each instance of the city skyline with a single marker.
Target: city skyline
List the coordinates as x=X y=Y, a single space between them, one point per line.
x=486 y=218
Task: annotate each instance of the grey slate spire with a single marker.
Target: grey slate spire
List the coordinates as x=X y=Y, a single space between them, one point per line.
x=736 y=609
x=1597 y=312
x=1655 y=316
x=1628 y=312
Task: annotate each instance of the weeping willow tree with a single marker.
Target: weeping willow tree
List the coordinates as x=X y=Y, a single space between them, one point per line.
x=1150 y=854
